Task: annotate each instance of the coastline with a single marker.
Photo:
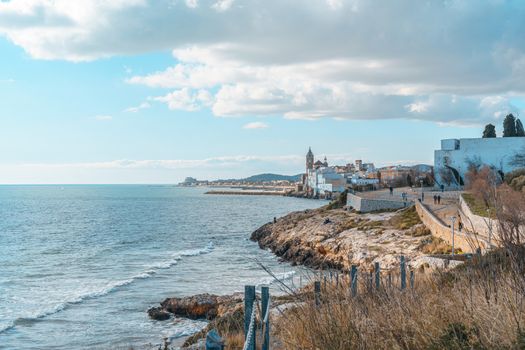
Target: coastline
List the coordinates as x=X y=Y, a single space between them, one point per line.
x=325 y=238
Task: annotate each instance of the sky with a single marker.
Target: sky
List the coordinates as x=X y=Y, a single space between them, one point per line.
x=152 y=91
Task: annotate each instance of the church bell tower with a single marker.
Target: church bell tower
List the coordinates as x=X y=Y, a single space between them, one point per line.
x=309 y=160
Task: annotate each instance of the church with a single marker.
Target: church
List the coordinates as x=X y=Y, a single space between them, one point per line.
x=321 y=180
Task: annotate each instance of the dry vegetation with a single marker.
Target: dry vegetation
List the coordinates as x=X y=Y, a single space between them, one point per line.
x=477 y=306
x=405 y=219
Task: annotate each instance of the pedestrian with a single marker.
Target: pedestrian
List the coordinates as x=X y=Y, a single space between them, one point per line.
x=391 y=191
x=439 y=199
x=422 y=196
x=435 y=199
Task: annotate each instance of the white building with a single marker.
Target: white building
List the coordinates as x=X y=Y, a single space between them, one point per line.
x=455 y=157
x=325 y=181
x=358 y=180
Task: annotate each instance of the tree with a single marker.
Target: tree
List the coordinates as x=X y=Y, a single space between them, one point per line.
x=490 y=131
x=509 y=126
x=519 y=128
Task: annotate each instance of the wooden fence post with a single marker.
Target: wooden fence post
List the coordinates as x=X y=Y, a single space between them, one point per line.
x=317 y=293
x=377 y=271
x=403 y=273
x=353 y=280
x=265 y=307
x=249 y=298
x=389 y=279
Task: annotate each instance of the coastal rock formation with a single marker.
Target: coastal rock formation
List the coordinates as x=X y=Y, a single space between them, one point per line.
x=200 y=306
x=158 y=313
x=337 y=238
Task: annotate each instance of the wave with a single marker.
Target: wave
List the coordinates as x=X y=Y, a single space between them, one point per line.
x=281 y=277
x=110 y=287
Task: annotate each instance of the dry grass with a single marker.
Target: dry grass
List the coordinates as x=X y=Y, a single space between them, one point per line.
x=435 y=245
x=477 y=206
x=474 y=307
x=405 y=219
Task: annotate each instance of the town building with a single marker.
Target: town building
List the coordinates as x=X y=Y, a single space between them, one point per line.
x=396 y=176
x=457 y=156
x=321 y=180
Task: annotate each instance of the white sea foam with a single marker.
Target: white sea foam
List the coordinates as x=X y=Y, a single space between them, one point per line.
x=281 y=277
x=110 y=287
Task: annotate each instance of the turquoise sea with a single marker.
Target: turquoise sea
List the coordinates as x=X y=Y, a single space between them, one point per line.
x=80 y=265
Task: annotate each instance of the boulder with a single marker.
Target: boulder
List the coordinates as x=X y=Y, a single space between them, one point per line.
x=158 y=313
x=201 y=306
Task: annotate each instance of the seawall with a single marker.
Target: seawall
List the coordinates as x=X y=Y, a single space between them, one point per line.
x=467 y=242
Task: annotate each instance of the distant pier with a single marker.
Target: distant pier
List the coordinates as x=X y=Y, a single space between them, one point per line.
x=248 y=193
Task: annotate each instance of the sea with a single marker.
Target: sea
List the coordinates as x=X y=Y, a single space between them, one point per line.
x=81 y=264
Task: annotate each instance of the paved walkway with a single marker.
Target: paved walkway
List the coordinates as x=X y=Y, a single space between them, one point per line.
x=447 y=208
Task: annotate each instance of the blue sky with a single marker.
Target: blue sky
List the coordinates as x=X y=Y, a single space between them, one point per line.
x=213 y=105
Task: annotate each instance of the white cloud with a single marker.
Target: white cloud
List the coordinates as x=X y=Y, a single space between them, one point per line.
x=223 y=5
x=192 y=3
x=255 y=125
x=7 y=81
x=186 y=99
x=135 y=109
x=103 y=118
x=443 y=61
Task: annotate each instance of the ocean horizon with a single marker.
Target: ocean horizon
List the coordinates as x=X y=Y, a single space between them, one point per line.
x=81 y=264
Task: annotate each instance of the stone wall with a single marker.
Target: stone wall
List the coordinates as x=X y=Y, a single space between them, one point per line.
x=475 y=223
x=465 y=241
x=366 y=205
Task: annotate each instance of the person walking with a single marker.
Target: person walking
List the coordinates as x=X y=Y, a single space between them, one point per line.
x=439 y=199
x=391 y=191
x=435 y=199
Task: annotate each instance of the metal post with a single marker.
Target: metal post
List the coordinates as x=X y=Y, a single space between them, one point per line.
x=411 y=279
x=453 y=218
x=353 y=280
x=378 y=274
x=265 y=305
x=249 y=298
x=317 y=293
x=403 y=273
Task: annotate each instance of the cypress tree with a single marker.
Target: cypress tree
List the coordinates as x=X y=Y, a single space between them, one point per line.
x=490 y=131
x=519 y=128
x=509 y=126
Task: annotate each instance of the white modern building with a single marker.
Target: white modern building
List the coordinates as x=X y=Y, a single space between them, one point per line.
x=456 y=156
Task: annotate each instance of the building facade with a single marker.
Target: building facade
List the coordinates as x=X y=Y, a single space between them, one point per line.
x=456 y=156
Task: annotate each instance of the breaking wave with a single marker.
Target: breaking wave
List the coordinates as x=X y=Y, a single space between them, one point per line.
x=110 y=287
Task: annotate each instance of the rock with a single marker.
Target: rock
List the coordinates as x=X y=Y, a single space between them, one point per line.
x=325 y=238
x=158 y=313
x=207 y=306
x=194 y=307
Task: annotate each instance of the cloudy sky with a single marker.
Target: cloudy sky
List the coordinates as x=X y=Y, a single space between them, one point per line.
x=151 y=91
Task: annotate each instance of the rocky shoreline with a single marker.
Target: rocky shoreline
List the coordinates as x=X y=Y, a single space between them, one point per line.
x=336 y=238
x=323 y=238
